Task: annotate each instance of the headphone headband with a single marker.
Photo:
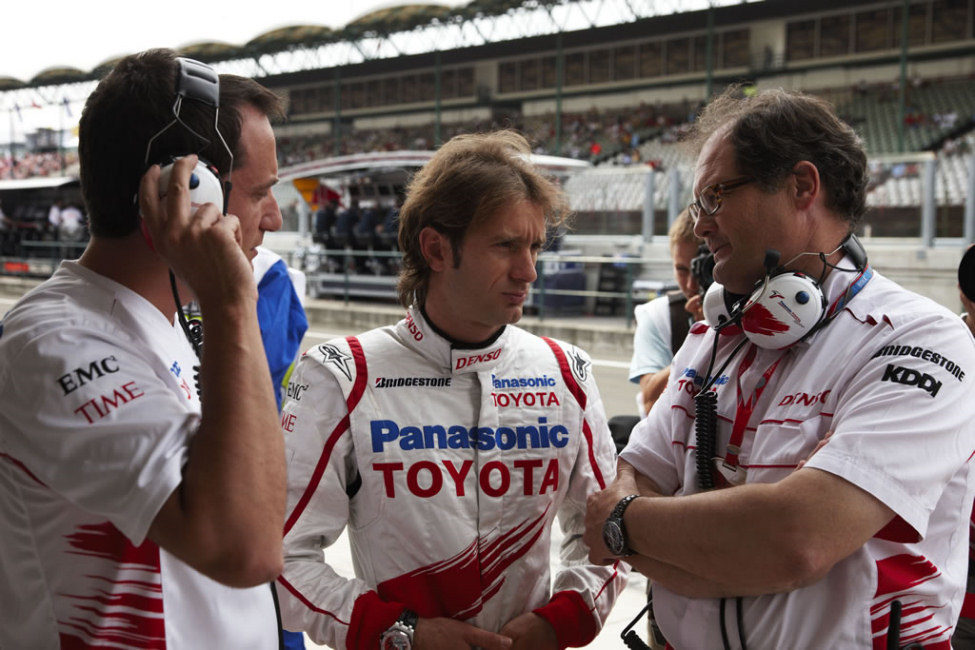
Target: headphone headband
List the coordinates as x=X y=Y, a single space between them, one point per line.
x=198 y=81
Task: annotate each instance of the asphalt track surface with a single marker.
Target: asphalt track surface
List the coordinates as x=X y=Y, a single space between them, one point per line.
x=618 y=396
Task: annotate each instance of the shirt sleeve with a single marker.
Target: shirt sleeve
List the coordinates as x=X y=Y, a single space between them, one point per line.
x=651 y=339
x=902 y=428
x=584 y=593
x=92 y=420
x=651 y=449
x=342 y=612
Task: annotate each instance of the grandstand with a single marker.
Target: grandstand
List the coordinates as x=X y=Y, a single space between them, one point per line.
x=617 y=83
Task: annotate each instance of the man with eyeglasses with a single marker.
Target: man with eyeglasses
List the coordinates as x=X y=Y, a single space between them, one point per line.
x=833 y=511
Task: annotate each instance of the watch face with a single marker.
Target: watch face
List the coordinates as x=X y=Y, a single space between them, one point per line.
x=395 y=640
x=613 y=537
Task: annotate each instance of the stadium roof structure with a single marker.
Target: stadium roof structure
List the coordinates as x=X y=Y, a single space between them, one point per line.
x=58 y=75
x=287 y=38
x=9 y=83
x=390 y=32
x=403 y=18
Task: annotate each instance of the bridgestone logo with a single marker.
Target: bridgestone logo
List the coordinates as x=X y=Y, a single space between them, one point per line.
x=397 y=382
x=922 y=353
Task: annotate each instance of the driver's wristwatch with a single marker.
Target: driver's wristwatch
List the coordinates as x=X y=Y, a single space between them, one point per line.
x=614 y=531
x=399 y=636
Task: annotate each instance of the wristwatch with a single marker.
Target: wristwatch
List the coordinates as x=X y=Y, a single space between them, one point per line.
x=614 y=531
x=399 y=636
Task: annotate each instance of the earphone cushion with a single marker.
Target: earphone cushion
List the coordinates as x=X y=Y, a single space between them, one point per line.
x=713 y=305
x=782 y=313
x=205 y=186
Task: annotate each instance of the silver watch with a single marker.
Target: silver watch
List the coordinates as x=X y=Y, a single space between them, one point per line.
x=399 y=636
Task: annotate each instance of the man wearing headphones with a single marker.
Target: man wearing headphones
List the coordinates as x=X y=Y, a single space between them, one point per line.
x=804 y=481
x=130 y=518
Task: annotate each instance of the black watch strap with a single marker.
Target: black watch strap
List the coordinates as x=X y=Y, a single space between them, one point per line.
x=614 y=530
x=409 y=617
x=621 y=505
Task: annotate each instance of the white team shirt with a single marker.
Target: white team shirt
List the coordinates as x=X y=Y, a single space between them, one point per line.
x=97 y=407
x=890 y=377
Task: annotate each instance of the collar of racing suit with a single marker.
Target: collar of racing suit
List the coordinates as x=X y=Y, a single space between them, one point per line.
x=421 y=335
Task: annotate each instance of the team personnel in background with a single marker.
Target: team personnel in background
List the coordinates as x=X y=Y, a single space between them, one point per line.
x=280 y=314
x=447 y=444
x=662 y=324
x=283 y=323
x=749 y=546
x=130 y=514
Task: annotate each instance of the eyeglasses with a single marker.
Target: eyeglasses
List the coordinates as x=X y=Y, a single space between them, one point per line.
x=709 y=199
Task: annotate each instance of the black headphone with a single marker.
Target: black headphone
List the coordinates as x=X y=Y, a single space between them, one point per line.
x=784 y=307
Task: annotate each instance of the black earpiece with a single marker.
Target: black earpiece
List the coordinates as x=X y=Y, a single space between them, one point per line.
x=852 y=247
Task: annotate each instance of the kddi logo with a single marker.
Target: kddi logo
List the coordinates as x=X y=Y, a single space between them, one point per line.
x=910 y=377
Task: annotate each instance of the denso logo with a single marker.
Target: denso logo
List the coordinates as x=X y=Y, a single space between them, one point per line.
x=805 y=399
x=463 y=362
x=413 y=329
x=456 y=436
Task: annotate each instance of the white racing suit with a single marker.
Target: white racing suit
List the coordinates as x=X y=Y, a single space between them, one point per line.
x=457 y=462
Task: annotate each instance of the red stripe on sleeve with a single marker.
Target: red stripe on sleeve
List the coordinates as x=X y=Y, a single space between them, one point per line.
x=571 y=618
x=358 y=388
x=297 y=594
x=580 y=397
x=371 y=616
x=567 y=377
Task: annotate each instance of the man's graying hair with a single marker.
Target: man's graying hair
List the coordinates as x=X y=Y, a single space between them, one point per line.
x=774 y=129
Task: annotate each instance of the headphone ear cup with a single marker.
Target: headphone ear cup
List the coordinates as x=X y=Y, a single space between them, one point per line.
x=205 y=186
x=784 y=311
x=714 y=306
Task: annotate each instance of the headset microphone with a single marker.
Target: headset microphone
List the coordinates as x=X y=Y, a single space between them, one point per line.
x=771 y=262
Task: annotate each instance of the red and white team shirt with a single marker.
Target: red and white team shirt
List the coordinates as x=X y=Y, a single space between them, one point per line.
x=97 y=407
x=890 y=377
x=448 y=467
